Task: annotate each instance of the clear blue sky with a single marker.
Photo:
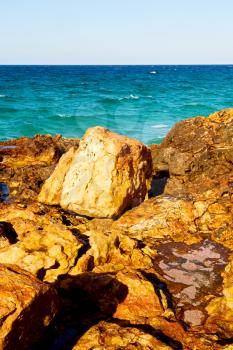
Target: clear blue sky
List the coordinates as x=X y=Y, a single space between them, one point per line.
x=116 y=31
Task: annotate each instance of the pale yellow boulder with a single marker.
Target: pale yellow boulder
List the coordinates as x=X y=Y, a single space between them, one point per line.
x=51 y=190
x=108 y=173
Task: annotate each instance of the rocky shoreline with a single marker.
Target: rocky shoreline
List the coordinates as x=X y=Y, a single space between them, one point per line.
x=108 y=244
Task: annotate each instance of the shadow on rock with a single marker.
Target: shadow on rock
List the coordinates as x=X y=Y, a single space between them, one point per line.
x=86 y=299
x=7 y=232
x=158 y=183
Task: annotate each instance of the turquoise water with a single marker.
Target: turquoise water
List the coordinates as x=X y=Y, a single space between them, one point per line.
x=140 y=101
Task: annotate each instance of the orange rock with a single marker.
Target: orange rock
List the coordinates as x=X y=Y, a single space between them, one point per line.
x=27 y=306
x=141 y=301
x=43 y=246
x=197 y=154
x=111 y=336
x=25 y=163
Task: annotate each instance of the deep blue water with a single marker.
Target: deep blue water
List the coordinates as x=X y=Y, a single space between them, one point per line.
x=140 y=101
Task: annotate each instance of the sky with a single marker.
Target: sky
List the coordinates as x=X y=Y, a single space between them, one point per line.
x=116 y=32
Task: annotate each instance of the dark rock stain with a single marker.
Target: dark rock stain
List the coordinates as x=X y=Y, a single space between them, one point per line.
x=192 y=273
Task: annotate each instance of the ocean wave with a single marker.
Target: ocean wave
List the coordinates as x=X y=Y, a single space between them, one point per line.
x=119 y=99
x=153 y=72
x=63 y=115
x=159 y=126
x=1 y=96
x=195 y=105
x=130 y=97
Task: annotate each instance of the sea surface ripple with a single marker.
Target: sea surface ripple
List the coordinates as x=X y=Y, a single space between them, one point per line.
x=143 y=102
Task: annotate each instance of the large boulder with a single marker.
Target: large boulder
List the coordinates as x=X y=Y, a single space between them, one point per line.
x=108 y=174
x=197 y=156
x=27 y=306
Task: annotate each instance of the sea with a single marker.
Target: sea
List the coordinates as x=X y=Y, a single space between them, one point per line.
x=143 y=102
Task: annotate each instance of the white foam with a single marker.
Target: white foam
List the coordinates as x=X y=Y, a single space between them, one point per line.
x=130 y=97
x=159 y=126
x=1 y=96
x=62 y=115
x=153 y=72
x=134 y=97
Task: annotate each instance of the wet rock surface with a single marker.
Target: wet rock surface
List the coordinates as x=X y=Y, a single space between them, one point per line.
x=192 y=273
x=159 y=276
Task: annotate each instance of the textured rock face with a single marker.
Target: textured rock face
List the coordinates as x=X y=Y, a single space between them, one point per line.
x=52 y=188
x=27 y=306
x=141 y=301
x=159 y=218
x=198 y=153
x=192 y=272
x=112 y=336
x=42 y=246
x=26 y=163
x=219 y=309
x=108 y=174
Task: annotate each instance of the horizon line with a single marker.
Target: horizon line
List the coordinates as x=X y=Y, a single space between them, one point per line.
x=116 y=64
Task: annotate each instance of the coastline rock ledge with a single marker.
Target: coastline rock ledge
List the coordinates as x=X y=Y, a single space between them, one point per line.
x=160 y=276
x=106 y=175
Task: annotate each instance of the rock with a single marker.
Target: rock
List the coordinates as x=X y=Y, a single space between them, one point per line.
x=27 y=306
x=108 y=174
x=43 y=246
x=29 y=151
x=38 y=150
x=114 y=251
x=159 y=219
x=179 y=219
x=127 y=295
x=26 y=163
x=197 y=156
x=111 y=336
x=192 y=274
x=219 y=309
x=52 y=188
x=142 y=300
